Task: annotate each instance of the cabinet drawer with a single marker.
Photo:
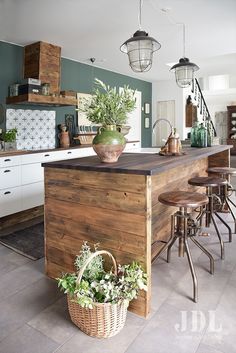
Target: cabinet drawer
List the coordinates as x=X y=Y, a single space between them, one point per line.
x=32 y=195
x=31 y=173
x=9 y=161
x=10 y=177
x=37 y=157
x=10 y=201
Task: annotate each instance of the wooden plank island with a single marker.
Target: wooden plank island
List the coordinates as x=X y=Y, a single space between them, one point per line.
x=117 y=206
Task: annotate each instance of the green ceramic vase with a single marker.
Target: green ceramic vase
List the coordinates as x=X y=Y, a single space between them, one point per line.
x=109 y=143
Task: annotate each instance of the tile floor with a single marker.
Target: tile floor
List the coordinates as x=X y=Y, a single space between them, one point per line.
x=34 y=318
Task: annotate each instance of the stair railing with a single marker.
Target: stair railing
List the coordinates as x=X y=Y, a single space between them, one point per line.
x=201 y=103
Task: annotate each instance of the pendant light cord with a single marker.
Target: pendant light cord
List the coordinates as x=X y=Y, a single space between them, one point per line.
x=183 y=39
x=140 y=14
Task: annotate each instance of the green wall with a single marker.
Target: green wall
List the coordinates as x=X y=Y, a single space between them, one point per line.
x=74 y=76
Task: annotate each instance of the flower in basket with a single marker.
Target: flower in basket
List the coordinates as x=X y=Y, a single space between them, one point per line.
x=95 y=295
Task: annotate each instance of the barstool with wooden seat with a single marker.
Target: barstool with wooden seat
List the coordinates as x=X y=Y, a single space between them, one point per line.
x=224 y=173
x=183 y=226
x=210 y=209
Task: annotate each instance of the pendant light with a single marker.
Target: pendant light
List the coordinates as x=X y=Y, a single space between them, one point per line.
x=184 y=70
x=140 y=48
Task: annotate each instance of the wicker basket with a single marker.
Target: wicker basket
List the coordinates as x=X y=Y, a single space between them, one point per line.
x=105 y=319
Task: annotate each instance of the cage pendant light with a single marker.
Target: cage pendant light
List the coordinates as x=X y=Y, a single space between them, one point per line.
x=140 y=48
x=184 y=70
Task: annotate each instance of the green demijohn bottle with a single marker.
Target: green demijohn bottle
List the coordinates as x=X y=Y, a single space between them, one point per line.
x=194 y=135
x=202 y=136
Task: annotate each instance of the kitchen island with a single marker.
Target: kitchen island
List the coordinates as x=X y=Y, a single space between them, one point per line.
x=117 y=206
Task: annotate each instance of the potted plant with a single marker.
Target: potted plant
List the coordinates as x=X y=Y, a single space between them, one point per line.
x=98 y=300
x=9 y=139
x=109 y=108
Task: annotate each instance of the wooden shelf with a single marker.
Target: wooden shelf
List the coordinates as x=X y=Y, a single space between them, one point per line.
x=36 y=99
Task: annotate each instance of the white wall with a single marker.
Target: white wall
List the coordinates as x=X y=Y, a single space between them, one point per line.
x=168 y=90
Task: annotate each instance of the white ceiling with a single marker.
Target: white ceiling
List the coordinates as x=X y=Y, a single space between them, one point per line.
x=97 y=28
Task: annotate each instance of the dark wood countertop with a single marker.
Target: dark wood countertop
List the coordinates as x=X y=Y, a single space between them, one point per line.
x=138 y=163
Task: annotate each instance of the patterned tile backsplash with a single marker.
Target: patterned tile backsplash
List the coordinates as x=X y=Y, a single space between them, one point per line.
x=35 y=128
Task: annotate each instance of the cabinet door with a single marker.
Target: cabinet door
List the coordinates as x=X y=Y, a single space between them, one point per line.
x=32 y=195
x=10 y=201
x=10 y=177
x=31 y=173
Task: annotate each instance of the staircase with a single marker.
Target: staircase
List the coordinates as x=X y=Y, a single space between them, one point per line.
x=201 y=104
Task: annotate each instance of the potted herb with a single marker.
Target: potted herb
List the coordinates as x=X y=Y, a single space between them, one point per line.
x=98 y=300
x=109 y=107
x=9 y=139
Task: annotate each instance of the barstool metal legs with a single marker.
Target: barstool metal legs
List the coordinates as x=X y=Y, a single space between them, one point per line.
x=231 y=211
x=206 y=252
x=209 y=217
x=193 y=273
x=180 y=229
x=222 y=248
x=226 y=225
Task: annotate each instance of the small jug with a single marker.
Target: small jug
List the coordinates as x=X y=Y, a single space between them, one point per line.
x=64 y=139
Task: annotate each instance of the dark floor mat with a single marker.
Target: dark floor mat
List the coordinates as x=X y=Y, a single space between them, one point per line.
x=28 y=242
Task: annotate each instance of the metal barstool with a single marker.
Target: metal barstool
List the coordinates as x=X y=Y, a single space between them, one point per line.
x=227 y=190
x=183 y=226
x=210 y=210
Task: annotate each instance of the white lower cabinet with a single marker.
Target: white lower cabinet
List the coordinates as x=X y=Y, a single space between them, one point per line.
x=22 y=178
x=32 y=195
x=10 y=201
x=31 y=173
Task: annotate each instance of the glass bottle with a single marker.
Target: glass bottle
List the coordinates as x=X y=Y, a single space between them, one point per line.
x=202 y=136
x=194 y=135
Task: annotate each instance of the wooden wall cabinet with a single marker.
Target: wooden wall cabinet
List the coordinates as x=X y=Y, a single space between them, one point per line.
x=232 y=128
x=43 y=61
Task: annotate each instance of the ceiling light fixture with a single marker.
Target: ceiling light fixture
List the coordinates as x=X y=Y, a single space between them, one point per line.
x=184 y=70
x=140 y=48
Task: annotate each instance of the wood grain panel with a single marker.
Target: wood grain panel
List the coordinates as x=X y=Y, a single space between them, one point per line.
x=102 y=181
x=111 y=199
x=21 y=217
x=97 y=216
x=109 y=209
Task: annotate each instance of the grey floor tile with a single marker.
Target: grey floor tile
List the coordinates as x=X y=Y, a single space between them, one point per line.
x=24 y=305
x=165 y=333
x=55 y=322
x=21 y=277
x=221 y=334
x=118 y=344
x=232 y=279
x=27 y=340
x=10 y=261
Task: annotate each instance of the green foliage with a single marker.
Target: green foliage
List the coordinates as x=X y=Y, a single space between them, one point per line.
x=95 y=267
x=107 y=106
x=9 y=135
x=100 y=286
